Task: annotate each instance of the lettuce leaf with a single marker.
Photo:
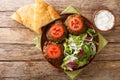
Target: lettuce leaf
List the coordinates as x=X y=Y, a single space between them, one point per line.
x=91 y=32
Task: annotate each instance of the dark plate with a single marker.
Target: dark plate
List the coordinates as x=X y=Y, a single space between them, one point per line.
x=63 y=18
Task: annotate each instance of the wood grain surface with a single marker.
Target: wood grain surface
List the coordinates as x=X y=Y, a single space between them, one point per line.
x=21 y=60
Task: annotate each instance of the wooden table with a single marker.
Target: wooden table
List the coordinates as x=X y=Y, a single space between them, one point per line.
x=21 y=60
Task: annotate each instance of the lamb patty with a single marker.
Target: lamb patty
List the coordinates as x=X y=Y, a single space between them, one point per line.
x=75 y=24
x=57 y=32
x=54 y=53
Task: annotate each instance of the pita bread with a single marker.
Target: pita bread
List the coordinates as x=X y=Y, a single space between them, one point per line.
x=44 y=13
x=34 y=16
x=25 y=15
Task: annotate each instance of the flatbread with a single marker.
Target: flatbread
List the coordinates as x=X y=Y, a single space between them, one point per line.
x=35 y=16
x=25 y=15
x=44 y=13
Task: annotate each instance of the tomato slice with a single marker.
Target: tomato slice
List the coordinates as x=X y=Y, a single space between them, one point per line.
x=56 y=31
x=53 y=51
x=75 y=23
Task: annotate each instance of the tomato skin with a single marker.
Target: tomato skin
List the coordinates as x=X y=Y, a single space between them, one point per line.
x=53 y=51
x=75 y=24
x=57 y=31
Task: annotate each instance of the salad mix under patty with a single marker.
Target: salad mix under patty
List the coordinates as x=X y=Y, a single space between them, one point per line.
x=70 y=43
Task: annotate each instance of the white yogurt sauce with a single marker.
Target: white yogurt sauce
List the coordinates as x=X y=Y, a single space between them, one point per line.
x=104 y=20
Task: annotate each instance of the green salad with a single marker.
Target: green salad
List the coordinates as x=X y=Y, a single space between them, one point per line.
x=78 y=50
